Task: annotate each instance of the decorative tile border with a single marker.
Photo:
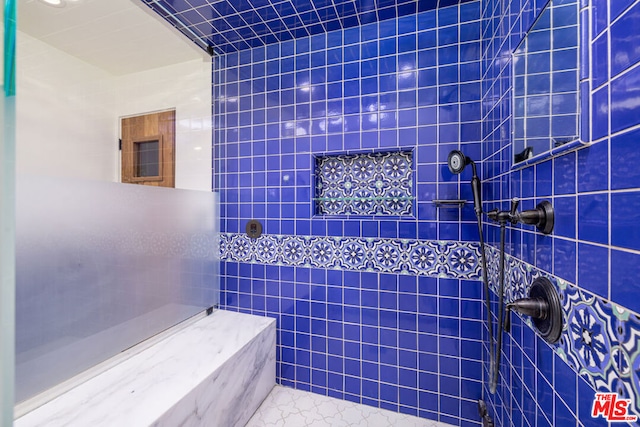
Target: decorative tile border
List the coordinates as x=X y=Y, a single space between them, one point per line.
x=600 y=340
x=401 y=256
x=365 y=184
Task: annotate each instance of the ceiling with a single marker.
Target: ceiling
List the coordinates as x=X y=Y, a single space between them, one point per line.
x=231 y=25
x=125 y=36
x=118 y=36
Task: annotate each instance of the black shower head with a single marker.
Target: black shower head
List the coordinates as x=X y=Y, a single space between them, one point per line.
x=457 y=161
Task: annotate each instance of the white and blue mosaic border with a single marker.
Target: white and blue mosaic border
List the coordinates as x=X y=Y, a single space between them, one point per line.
x=401 y=256
x=600 y=339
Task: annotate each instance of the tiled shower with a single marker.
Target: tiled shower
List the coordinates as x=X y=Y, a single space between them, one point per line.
x=385 y=307
x=332 y=123
x=379 y=309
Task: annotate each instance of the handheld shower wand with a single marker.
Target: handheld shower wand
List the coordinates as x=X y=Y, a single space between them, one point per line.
x=457 y=161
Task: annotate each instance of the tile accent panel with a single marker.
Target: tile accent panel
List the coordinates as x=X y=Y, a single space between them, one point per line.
x=429 y=258
x=365 y=184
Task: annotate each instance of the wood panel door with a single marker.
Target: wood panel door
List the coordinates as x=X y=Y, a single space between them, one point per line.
x=148 y=149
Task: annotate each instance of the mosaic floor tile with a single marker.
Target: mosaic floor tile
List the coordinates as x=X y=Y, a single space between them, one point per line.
x=286 y=407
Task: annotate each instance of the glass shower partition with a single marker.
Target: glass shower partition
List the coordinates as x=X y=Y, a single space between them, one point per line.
x=7 y=213
x=102 y=266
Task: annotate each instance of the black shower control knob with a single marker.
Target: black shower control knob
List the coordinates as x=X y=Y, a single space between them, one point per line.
x=515 y=202
x=550 y=325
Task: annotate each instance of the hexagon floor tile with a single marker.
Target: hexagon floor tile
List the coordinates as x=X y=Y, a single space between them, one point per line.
x=286 y=407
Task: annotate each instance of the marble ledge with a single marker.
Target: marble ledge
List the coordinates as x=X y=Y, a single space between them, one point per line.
x=215 y=372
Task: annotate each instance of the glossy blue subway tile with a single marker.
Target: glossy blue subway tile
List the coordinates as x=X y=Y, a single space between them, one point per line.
x=599 y=60
x=593 y=218
x=623 y=157
x=564 y=258
x=544 y=179
x=593 y=167
x=625 y=230
x=619 y=7
x=624 y=89
x=601 y=110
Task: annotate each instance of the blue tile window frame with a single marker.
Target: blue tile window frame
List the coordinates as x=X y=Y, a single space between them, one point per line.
x=524 y=125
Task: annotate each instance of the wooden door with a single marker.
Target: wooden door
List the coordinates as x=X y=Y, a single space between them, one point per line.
x=148 y=149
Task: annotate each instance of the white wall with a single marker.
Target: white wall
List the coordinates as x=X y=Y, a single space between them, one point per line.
x=65 y=114
x=187 y=88
x=68 y=114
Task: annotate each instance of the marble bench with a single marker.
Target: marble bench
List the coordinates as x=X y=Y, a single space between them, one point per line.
x=215 y=372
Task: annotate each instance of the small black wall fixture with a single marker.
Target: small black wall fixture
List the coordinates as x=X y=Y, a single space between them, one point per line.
x=542 y=216
x=254 y=229
x=544 y=307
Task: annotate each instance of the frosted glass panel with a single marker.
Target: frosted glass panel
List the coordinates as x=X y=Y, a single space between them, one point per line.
x=7 y=210
x=102 y=266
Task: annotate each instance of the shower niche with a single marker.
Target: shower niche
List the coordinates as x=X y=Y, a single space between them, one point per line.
x=550 y=85
x=365 y=184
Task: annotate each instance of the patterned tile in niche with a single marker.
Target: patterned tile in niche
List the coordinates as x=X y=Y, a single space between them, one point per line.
x=365 y=184
x=286 y=407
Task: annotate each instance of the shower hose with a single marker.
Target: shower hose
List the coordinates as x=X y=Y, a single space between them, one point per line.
x=495 y=351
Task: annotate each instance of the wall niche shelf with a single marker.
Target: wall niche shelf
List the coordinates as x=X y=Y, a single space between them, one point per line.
x=449 y=203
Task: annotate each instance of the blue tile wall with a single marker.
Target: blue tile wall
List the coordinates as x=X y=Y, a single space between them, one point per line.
x=400 y=342
x=229 y=26
x=414 y=341
x=273 y=116
x=399 y=329
x=592 y=254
